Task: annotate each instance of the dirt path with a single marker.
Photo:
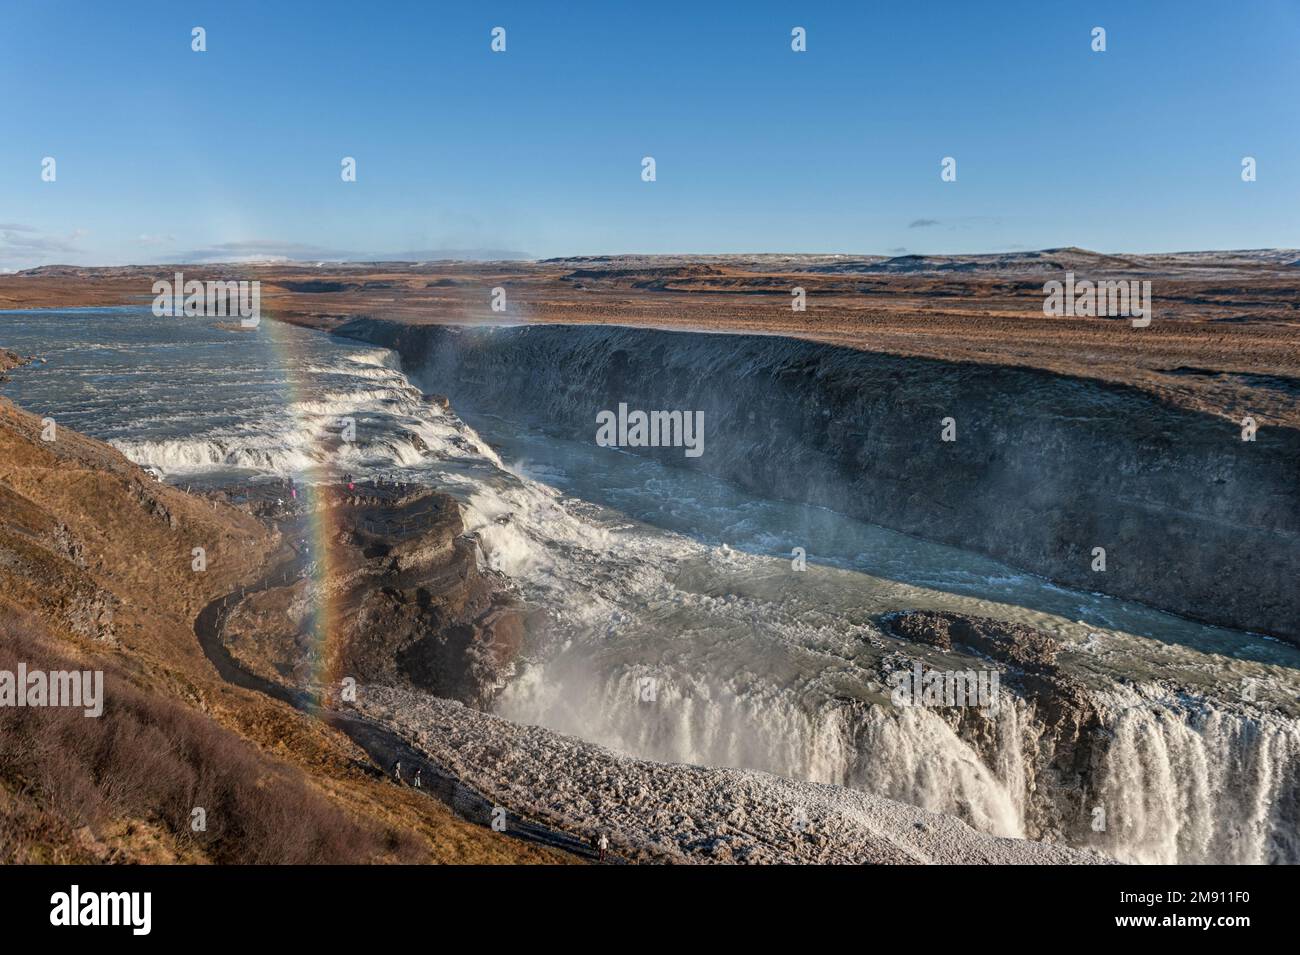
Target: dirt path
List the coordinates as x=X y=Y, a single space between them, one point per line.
x=384 y=747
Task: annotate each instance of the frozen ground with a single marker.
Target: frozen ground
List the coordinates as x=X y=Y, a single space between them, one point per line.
x=663 y=812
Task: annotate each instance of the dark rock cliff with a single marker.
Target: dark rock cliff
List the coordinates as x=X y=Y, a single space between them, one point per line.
x=1044 y=468
x=400 y=600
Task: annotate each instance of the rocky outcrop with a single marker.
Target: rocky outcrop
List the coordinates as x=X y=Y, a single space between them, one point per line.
x=1028 y=650
x=1044 y=468
x=89 y=613
x=1055 y=712
x=398 y=597
x=420 y=611
x=8 y=360
x=152 y=503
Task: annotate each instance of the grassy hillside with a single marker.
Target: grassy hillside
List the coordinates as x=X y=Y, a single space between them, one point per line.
x=95 y=573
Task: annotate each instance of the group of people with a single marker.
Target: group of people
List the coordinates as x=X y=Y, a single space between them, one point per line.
x=289 y=487
x=416 y=780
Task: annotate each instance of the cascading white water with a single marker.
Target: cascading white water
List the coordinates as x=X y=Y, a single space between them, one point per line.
x=686 y=720
x=740 y=679
x=1179 y=782
x=907 y=754
x=1186 y=782
x=912 y=755
x=756 y=666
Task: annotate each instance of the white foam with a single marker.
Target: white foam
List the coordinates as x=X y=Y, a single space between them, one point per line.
x=1187 y=781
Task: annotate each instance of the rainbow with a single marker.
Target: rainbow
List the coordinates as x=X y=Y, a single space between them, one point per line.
x=321 y=523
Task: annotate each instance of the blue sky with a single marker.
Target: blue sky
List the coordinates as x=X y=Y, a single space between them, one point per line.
x=165 y=154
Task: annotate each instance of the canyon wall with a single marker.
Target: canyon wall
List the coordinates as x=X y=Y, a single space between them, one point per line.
x=1043 y=469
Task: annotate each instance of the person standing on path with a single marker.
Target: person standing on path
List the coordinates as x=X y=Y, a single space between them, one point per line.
x=603 y=845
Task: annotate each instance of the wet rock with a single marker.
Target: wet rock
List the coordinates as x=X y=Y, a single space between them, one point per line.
x=1055 y=708
x=1025 y=648
x=10 y=359
x=401 y=600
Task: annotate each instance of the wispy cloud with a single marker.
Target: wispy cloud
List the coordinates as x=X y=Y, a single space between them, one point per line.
x=922 y=223
x=278 y=251
x=23 y=245
x=268 y=249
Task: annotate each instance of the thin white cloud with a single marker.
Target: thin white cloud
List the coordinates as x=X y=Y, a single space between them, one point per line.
x=23 y=246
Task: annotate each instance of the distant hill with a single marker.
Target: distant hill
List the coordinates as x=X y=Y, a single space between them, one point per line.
x=1069 y=258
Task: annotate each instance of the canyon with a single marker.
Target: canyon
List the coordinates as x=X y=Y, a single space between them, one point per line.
x=970 y=485
x=1045 y=467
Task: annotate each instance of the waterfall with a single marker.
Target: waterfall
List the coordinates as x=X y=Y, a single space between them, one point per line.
x=1180 y=780
x=1183 y=781
x=909 y=754
x=912 y=755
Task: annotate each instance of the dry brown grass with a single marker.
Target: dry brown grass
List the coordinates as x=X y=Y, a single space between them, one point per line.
x=78 y=523
x=1241 y=320
x=155 y=761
